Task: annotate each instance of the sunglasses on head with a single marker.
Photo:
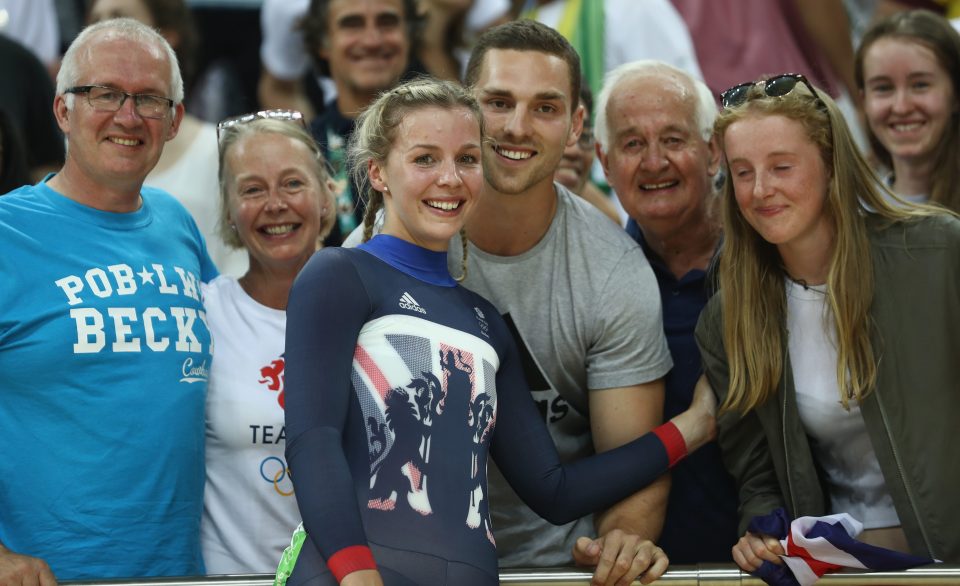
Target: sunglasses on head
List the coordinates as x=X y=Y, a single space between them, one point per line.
x=774 y=87
x=283 y=115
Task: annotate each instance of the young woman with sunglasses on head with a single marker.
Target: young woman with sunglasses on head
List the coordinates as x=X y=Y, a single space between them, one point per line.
x=832 y=343
x=400 y=383
x=908 y=70
x=277 y=206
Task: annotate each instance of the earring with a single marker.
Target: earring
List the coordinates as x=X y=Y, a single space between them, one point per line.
x=233 y=227
x=386 y=189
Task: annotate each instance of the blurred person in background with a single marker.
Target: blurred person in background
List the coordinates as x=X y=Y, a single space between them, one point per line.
x=26 y=94
x=365 y=46
x=188 y=167
x=13 y=167
x=276 y=206
x=908 y=71
x=33 y=24
x=577 y=161
x=609 y=33
x=288 y=81
x=744 y=39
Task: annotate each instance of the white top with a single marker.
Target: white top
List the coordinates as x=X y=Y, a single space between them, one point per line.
x=193 y=180
x=249 y=511
x=839 y=438
x=638 y=29
x=33 y=24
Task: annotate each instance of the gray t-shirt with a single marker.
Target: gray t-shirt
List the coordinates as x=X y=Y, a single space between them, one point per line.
x=585 y=308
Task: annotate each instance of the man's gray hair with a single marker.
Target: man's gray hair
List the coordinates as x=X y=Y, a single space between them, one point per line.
x=706 y=107
x=115 y=28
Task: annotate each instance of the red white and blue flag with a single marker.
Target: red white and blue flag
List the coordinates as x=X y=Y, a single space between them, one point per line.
x=815 y=546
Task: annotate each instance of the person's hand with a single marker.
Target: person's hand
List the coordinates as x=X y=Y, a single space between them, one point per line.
x=698 y=424
x=620 y=557
x=17 y=570
x=362 y=578
x=752 y=550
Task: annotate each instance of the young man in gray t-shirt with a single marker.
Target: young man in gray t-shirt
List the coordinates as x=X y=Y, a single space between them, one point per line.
x=579 y=293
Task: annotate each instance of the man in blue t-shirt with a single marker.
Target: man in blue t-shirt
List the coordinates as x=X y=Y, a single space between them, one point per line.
x=654 y=125
x=104 y=349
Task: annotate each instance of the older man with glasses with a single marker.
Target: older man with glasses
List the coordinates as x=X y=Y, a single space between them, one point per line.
x=104 y=347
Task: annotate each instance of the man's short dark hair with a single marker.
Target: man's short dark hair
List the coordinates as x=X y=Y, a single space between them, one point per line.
x=527 y=35
x=315 y=29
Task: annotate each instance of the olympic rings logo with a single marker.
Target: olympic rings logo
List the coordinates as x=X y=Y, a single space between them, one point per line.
x=271 y=463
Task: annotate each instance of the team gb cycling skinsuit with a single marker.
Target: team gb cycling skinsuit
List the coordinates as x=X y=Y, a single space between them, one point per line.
x=399 y=382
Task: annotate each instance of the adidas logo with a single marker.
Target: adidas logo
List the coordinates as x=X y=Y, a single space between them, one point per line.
x=408 y=302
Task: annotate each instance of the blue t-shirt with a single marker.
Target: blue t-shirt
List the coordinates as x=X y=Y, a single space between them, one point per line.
x=104 y=354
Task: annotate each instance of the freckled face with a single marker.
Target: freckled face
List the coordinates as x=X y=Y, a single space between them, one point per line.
x=432 y=176
x=780 y=180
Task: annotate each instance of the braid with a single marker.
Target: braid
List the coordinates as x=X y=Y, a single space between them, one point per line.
x=463 y=262
x=374 y=203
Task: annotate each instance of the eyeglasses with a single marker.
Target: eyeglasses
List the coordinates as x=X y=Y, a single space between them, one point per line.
x=284 y=115
x=774 y=87
x=586 y=139
x=108 y=99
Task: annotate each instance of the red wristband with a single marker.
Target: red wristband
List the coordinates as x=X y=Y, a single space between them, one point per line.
x=672 y=440
x=351 y=559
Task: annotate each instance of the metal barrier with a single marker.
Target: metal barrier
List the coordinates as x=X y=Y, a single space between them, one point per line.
x=705 y=574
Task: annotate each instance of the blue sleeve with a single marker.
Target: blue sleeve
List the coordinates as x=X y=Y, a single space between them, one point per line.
x=560 y=493
x=208 y=270
x=328 y=306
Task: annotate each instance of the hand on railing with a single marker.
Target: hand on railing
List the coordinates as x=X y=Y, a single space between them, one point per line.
x=620 y=558
x=752 y=550
x=16 y=569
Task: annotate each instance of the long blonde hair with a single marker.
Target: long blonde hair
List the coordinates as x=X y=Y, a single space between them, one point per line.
x=751 y=273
